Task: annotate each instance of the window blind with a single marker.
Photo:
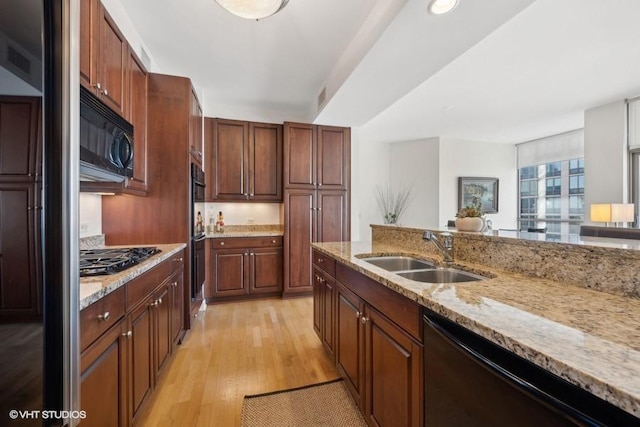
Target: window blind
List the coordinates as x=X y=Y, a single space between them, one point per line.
x=633 y=112
x=554 y=148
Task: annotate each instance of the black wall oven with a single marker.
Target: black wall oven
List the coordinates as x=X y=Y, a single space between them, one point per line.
x=197 y=231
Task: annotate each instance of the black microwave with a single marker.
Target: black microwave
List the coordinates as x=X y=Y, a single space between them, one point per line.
x=106 y=141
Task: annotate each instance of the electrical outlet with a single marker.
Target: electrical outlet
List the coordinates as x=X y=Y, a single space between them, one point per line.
x=84 y=227
x=251 y=220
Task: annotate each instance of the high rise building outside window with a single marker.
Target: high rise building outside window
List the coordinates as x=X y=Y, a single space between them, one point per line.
x=552 y=196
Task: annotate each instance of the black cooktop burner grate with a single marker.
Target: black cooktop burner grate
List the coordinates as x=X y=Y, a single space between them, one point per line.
x=97 y=262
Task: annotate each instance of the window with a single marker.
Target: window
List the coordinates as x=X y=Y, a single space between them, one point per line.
x=552 y=196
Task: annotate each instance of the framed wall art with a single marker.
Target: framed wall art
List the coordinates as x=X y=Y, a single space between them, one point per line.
x=472 y=190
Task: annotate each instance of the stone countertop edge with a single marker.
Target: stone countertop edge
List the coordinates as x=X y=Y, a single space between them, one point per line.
x=92 y=288
x=587 y=337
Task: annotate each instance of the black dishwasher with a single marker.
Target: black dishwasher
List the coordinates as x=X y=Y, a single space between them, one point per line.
x=470 y=381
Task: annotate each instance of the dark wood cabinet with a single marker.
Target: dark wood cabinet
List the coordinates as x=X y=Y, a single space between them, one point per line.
x=136 y=113
x=103 y=55
x=127 y=337
x=20 y=209
x=163 y=216
x=374 y=335
x=317 y=156
x=245 y=267
x=245 y=161
x=103 y=379
x=196 y=141
x=316 y=199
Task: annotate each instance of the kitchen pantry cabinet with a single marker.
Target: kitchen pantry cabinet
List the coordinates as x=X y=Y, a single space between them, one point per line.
x=126 y=338
x=377 y=345
x=20 y=209
x=103 y=55
x=245 y=161
x=245 y=267
x=317 y=196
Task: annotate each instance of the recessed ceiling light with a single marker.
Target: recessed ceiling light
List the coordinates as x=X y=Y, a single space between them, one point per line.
x=440 y=7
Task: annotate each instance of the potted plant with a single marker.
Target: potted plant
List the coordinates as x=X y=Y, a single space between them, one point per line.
x=471 y=217
x=392 y=203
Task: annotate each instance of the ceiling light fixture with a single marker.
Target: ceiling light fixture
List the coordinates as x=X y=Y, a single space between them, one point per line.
x=440 y=7
x=253 y=9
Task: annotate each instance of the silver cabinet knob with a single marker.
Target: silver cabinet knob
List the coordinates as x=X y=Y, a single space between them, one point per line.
x=364 y=319
x=106 y=92
x=104 y=316
x=358 y=314
x=174 y=284
x=221 y=243
x=127 y=334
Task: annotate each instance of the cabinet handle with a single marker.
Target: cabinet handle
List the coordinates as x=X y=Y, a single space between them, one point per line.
x=252 y=254
x=104 y=317
x=106 y=92
x=178 y=260
x=364 y=319
x=127 y=334
x=319 y=184
x=320 y=259
x=159 y=301
x=251 y=194
x=97 y=86
x=174 y=284
x=221 y=243
x=358 y=314
x=319 y=209
x=273 y=241
x=154 y=304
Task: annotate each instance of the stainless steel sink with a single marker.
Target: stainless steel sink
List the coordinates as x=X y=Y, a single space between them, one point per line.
x=399 y=263
x=441 y=275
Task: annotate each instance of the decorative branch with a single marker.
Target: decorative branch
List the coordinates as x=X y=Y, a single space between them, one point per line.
x=392 y=204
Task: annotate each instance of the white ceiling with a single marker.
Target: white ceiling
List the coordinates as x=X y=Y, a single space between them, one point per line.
x=492 y=70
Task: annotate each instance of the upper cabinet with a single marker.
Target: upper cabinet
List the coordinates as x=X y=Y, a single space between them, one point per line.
x=136 y=113
x=245 y=161
x=103 y=55
x=316 y=157
x=195 y=131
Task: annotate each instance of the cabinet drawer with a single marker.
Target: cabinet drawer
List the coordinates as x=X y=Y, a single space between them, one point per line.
x=247 y=242
x=325 y=262
x=100 y=316
x=176 y=261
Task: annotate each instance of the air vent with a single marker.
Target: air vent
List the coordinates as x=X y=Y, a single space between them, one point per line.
x=19 y=60
x=322 y=97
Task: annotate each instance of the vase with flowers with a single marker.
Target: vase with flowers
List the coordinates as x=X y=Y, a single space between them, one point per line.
x=471 y=217
x=392 y=202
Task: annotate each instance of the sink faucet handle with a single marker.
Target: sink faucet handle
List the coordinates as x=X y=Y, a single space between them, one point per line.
x=427 y=235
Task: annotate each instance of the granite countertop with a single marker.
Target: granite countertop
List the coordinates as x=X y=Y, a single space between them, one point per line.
x=589 y=338
x=92 y=288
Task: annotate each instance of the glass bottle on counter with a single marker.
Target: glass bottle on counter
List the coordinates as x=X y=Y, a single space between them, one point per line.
x=220 y=223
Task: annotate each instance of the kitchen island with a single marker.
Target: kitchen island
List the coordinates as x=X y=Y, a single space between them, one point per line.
x=591 y=338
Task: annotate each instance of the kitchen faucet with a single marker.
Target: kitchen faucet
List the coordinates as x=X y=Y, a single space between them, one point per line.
x=445 y=247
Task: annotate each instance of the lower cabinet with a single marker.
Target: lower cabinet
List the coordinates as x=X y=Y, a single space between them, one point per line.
x=121 y=367
x=243 y=267
x=377 y=345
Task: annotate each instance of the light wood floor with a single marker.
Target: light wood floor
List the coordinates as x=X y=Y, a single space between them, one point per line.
x=238 y=349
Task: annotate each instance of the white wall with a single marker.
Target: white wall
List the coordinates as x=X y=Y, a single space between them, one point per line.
x=605 y=155
x=369 y=168
x=478 y=159
x=417 y=163
x=90 y=216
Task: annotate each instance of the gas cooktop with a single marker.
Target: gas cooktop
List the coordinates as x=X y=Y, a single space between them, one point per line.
x=98 y=262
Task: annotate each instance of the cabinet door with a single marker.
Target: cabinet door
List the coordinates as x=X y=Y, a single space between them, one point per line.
x=141 y=355
x=333 y=216
x=299 y=219
x=20 y=285
x=394 y=381
x=329 y=308
x=265 y=162
x=231 y=160
x=20 y=146
x=113 y=52
x=195 y=131
x=318 y=303
x=162 y=327
x=230 y=272
x=299 y=156
x=137 y=115
x=333 y=158
x=103 y=379
x=266 y=270
x=177 y=293
x=88 y=42
x=350 y=341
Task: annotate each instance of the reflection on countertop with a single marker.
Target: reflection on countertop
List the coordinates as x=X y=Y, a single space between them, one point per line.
x=256 y=230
